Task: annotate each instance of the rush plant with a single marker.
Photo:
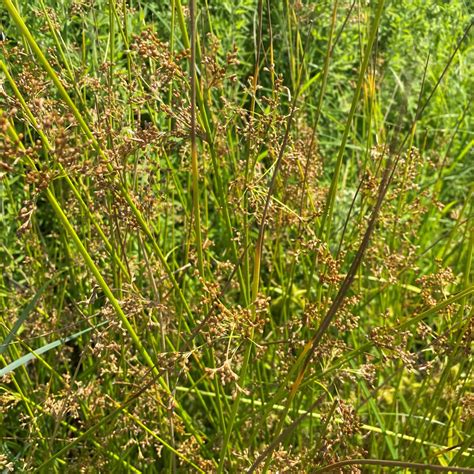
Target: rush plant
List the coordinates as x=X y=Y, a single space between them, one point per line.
x=236 y=236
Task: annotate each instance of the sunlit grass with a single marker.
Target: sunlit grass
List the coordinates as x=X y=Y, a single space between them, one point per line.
x=236 y=237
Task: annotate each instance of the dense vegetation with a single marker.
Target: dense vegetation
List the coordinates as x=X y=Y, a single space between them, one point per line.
x=236 y=236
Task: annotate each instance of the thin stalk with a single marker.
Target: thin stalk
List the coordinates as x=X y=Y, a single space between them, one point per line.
x=392 y=464
x=194 y=154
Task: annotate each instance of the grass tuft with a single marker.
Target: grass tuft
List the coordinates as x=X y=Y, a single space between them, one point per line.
x=236 y=236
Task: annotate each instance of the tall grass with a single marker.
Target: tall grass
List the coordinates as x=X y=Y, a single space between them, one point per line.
x=236 y=236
